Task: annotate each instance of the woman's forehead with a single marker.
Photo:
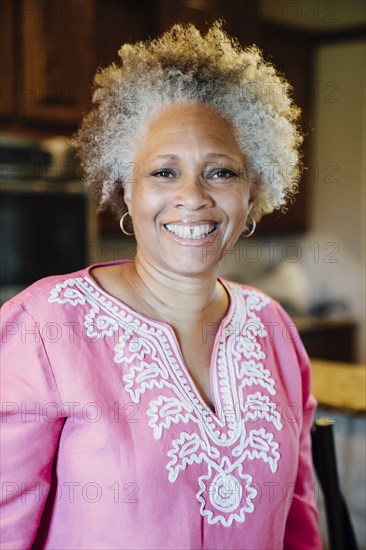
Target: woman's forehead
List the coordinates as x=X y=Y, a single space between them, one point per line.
x=178 y=128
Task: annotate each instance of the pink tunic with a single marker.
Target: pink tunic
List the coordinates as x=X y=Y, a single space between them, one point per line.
x=107 y=444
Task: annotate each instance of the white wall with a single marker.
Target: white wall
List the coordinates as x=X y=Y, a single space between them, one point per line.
x=338 y=193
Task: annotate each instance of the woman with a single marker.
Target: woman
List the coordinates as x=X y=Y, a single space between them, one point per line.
x=150 y=404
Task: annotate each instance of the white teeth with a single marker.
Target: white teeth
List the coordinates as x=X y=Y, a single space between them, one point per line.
x=190 y=232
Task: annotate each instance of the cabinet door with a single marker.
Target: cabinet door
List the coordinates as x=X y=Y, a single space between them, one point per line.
x=58 y=59
x=8 y=59
x=291 y=52
x=199 y=12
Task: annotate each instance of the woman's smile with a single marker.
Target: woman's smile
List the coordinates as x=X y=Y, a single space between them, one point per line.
x=196 y=231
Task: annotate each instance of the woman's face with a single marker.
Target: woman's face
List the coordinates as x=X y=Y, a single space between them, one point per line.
x=190 y=199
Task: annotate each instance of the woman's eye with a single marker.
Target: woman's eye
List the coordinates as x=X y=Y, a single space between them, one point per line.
x=223 y=174
x=163 y=173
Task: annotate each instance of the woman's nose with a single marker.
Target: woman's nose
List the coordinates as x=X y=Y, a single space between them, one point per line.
x=192 y=194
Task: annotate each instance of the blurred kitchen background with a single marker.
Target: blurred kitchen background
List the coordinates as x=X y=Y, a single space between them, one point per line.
x=312 y=259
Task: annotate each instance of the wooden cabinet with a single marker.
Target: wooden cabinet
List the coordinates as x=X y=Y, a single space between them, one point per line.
x=58 y=59
x=8 y=83
x=199 y=12
x=241 y=19
x=50 y=50
x=291 y=52
x=121 y=21
x=333 y=339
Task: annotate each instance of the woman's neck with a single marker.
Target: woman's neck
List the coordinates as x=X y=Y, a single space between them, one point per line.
x=177 y=299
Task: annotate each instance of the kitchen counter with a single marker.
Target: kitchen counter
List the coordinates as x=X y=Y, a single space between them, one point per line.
x=341 y=386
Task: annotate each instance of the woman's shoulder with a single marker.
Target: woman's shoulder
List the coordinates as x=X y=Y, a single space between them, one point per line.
x=254 y=305
x=40 y=296
x=255 y=298
x=266 y=317
x=35 y=291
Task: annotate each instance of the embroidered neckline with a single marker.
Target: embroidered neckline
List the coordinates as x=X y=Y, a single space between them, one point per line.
x=142 y=316
x=225 y=322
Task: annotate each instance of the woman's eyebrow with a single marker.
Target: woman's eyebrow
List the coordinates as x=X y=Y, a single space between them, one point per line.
x=169 y=156
x=215 y=156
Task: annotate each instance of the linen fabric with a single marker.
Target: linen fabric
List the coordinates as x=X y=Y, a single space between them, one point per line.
x=107 y=444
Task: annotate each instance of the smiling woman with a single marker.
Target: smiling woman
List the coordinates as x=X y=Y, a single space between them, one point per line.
x=165 y=397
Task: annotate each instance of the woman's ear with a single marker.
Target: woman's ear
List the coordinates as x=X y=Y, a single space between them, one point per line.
x=252 y=195
x=130 y=178
x=127 y=195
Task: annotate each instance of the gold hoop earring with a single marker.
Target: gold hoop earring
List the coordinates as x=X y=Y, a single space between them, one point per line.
x=121 y=224
x=252 y=229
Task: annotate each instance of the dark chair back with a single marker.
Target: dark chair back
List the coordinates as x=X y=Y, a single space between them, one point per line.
x=340 y=530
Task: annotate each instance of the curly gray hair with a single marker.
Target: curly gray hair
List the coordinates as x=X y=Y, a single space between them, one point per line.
x=182 y=66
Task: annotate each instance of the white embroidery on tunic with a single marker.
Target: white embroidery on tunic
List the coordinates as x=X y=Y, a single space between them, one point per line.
x=223 y=440
x=226 y=492
x=166 y=410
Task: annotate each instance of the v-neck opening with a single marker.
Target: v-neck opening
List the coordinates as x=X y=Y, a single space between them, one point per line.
x=170 y=331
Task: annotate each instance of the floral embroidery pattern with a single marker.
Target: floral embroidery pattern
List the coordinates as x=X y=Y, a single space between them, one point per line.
x=227 y=494
x=242 y=391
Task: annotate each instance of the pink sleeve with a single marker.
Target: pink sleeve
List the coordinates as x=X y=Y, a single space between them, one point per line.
x=31 y=423
x=302 y=531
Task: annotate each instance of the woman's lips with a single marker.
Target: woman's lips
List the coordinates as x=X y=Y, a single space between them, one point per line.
x=194 y=233
x=191 y=231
